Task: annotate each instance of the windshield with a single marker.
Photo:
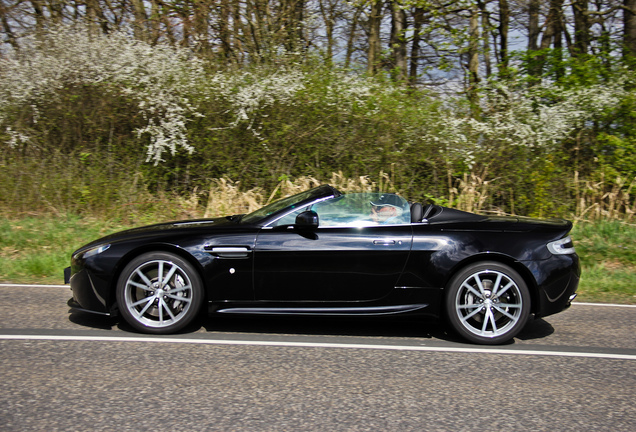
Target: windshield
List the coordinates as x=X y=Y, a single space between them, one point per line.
x=289 y=203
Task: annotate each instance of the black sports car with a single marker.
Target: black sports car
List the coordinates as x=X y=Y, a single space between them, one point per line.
x=322 y=252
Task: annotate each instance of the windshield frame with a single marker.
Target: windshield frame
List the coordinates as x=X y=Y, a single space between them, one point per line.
x=281 y=207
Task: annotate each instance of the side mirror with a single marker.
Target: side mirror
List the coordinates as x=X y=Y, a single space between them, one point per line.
x=307 y=219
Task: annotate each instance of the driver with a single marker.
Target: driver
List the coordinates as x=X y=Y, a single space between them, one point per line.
x=387 y=209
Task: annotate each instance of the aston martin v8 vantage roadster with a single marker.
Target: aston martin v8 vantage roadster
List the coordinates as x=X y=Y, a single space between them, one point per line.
x=323 y=252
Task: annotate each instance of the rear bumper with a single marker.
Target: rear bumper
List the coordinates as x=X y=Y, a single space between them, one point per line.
x=557 y=282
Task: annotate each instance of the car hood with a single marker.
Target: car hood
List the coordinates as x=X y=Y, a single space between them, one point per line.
x=165 y=227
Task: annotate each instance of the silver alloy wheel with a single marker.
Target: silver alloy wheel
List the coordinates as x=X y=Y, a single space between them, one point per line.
x=158 y=293
x=489 y=303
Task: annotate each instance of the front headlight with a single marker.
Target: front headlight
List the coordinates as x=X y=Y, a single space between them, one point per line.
x=561 y=247
x=94 y=251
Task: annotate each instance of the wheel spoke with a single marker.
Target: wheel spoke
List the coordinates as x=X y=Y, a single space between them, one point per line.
x=160 y=274
x=479 y=285
x=509 y=305
x=167 y=308
x=142 y=301
x=496 y=286
x=505 y=313
x=183 y=299
x=160 y=310
x=469 y=306
x=489 y=316
x=145 y=308
x=178 y=289
x=473 y=313
x=168 y=277
x=141 y=286
x=472 y=290
x=506 y=288
x=143 y=277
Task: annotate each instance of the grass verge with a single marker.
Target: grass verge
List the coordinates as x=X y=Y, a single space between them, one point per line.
x=608 y=259
x=37 y=249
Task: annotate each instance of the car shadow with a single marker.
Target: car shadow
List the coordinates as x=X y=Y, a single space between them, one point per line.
x=395 y=327
x=536 y=329
x=93 y=321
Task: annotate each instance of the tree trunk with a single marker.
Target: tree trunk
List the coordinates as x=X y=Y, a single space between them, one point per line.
x=156 y=12
x=352 y=35
x=473 y=62
x=485 y=25
x=141 y=20
x=201 y=12
x=581 y=28
x=327 y=12
x=533 y=36
x=504 y=26
x=375 y=18
x=398 y=42
x=224 y=30
x=418 y=21
x=552 y=33
x=629 y=29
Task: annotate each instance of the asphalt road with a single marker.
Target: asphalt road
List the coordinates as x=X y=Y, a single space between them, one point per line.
x=60 y=371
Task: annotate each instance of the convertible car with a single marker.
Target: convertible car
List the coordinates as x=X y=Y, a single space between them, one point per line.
x=322 y=252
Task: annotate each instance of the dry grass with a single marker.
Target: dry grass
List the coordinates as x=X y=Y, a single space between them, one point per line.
x=225 y=197
x=604 y=200
x=470 y=193
x=596 y=201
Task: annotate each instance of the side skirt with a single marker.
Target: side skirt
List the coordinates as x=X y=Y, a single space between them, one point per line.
x=330 y=311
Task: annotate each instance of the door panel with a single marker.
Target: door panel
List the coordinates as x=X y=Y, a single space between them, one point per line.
x=331 y=263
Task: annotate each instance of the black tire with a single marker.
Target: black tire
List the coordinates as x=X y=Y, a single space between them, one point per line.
x=159 y=293
x=487 y=303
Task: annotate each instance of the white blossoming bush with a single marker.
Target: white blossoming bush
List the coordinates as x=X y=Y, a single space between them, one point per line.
x=161 y=81
x=251 y=94
x=538 y=119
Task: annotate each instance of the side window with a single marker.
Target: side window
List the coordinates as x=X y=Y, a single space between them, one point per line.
x=349 y=210
x=356 y=210
x=363 y=209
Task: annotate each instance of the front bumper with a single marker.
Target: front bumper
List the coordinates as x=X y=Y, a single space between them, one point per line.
x=76 y=306
x=88 y=293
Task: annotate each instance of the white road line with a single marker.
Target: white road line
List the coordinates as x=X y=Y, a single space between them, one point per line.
x=321 y=345
x=603 y=304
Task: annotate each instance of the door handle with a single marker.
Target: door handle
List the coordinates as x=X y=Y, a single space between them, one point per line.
x=387 y=242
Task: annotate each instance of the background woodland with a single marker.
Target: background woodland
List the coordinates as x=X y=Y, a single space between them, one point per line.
x=126 y=108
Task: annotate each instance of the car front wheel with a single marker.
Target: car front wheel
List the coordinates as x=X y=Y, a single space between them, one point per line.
x=159 y=293
x=487 y=303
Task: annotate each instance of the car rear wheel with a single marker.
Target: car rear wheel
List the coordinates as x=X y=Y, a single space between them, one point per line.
x=487 y=303
x=159 y=293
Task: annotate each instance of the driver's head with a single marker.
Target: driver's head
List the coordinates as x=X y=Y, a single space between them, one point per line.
x=386 y=207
